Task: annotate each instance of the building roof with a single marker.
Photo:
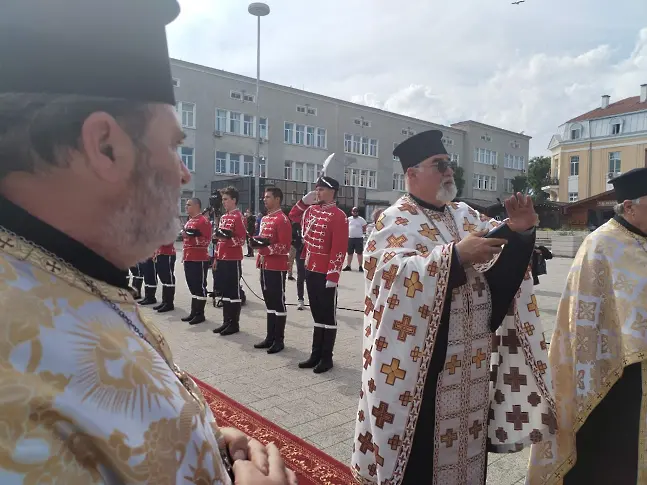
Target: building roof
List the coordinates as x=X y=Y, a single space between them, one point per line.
x=627 y=105
x=608 y=195
x=491 y=127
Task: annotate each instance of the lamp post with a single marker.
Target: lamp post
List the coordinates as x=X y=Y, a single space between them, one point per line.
x=258 y=10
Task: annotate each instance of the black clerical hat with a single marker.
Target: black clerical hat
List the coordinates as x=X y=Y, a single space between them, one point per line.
x=420 y=147
x=630 y=185
x=328 y=182
x=105 y=48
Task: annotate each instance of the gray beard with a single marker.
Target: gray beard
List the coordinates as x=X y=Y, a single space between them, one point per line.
x=445 y=194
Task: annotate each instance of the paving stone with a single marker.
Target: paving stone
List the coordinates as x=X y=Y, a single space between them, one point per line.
x=322 y=409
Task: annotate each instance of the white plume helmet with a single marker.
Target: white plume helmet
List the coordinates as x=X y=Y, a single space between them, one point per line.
x=326 y=163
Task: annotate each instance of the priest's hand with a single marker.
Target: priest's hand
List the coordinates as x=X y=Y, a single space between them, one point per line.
x=246 y=473
x=310 y=198
x=521 y=213
x=242 y=447
x=477 y=249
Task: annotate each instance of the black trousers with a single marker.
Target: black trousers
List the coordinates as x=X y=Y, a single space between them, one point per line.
x=228 y=274
x=165 y=269
x=148 y=270
x=136 y=271
x=273 y=286
x=323 y=301
x=301 y=276
x=196 y=278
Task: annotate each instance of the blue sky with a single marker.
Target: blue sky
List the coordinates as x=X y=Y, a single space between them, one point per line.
x=525 y=68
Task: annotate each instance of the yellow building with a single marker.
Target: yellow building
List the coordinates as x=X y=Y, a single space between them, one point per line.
x=592 y=148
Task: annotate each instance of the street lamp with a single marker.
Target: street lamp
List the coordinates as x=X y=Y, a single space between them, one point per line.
x=259 y=10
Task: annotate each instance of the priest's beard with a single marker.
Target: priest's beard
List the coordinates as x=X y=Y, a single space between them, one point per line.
x=148 y=217
x=447 y=193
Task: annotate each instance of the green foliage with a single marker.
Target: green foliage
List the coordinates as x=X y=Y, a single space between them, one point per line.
x=520 y=184
x=459 y=179
x=538 y=175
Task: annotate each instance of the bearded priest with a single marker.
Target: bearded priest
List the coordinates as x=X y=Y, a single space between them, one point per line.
x=598 y=354
x=454 y=361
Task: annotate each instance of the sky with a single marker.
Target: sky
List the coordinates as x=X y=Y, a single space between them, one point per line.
x=527 y=67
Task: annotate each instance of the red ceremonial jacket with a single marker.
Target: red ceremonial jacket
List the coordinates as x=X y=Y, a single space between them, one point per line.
x=277 y=228
x=232 y=249
x=325 y=237
x=166 y=250
x=197 y=248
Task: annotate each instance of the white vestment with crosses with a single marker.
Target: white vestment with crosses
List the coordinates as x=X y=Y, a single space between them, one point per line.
x=494 y=389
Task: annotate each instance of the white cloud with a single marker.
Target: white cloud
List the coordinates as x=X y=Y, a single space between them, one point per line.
x=525 y=68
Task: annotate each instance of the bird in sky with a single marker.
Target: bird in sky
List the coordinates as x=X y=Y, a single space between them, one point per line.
x=518 y=2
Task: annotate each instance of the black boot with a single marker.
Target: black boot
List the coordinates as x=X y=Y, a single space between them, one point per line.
x=226 y=317
x=149 y=299
x=269 y=335
x=325 y=364
x=315 y=356
x=193 y=310
x=137 y=286
x=168 y=297
x=279 y=335
x=234 y=326
x=199 y=312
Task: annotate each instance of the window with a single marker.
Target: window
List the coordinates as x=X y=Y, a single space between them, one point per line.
x=515 y=162
x=575 y=166
x=301 y=109
x=484 y=182
x=234 y=123
x=488 y=157
x=298 y=171
x=221 y=120
x=572 y=196
x=310 y=174
x=514 y=144
x=248 y=166
x=362 y=122
x=187 y=114
x=396 y=159
x=300 y=135
x=507 y=186
x=616 y=128
x=310 y=136
x=398 y=182
x=311 y=111
x=248 y=125
x=453 y=157
x=486 y=137
x=262 y=128
x=289 y=132
x=188 y=158
x=360 y=145
x=447 y=141
x=235 y=95
x=176 y=82
x=262 y=164
x=234 y=164
x=321 y=138
x=576 y=134
x=614 y=163
x=287 y=170
x=408 y=132
x=184 y=197
x=359 y=177
x=249 y=97
x=221 y=162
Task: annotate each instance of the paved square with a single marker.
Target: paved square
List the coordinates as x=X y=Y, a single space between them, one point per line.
x=318 y=408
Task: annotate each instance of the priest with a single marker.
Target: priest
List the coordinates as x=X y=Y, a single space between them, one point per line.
x=90 y=181
x=598 y=354
x=454 y=363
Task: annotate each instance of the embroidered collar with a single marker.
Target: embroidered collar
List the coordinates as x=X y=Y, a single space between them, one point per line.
x=629 y=227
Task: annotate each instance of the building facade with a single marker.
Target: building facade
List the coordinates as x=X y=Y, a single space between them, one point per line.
x=592 y=148
x=296 y=131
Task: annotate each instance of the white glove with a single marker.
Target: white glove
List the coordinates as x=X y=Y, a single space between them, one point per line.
x=331 y=284
x=310 y=198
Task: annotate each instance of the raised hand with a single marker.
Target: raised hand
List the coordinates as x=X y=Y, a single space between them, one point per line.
x=521 y=213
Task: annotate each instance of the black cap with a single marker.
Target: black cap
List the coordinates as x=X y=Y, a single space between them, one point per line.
x=107 y=48
x=630 y=185
x=328 y=182
x=419 y=148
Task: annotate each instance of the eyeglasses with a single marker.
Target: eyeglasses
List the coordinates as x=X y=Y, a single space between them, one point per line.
x=442 y=166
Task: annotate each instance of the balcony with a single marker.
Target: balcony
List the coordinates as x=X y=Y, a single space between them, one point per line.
x=551 y=187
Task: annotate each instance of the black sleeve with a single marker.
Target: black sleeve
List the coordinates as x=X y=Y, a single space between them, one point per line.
x=505 y=277
x=457 y=276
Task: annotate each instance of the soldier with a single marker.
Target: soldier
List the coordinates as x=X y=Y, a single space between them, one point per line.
x=150 y=282
x=325 y=241
x=197 y=236
x=229 y=254
x=273 y=244
x=137 y=281
x=165 y=268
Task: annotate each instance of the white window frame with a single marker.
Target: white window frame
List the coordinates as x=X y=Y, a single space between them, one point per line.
x=287 y=169
x=485 y=156
x=361 y=145
x=301 y=109
x=454 y=158
x=234 y=122
x=484 y=182
x=360 y=177
x=220 y=161
x=447 y=141
x=299 y=134
x=234 y=163
x=237 y=95
x=262 y=167
x=615 y=163
x=221 y=120
x=576 y=133
x=249 y=98
x=186 y=157
x=398 y=182
x=248 y=125
x=395 y=158
x=263 y=131
x=322 y=138
x=190 y=110
x=310 y=136
x=574 y=162
x=573 y=196
x=176 y=82
x=288 y=132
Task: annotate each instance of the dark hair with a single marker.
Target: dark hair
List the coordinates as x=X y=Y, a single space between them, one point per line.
x=197 y=201
x=231 y=191
x=276 y=192
x=37 y=130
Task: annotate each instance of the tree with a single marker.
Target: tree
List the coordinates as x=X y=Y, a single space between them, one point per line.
x=520 y=184
x=459 y=179
x=538 y=174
